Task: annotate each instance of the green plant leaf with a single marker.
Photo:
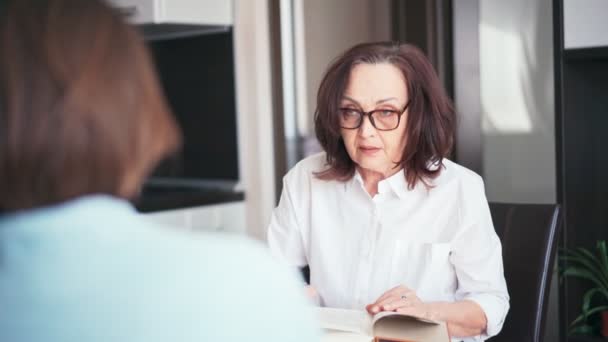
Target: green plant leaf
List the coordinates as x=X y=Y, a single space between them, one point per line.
x=582 y=317
x=597 y=309
x=602 y=289
x=585 y=274
x=602 y=266
x=588 y=297
x=584 y=329
x=586 y=259
x=603 y=254
x=577 y=320
x=580 y=257
x=581 y=262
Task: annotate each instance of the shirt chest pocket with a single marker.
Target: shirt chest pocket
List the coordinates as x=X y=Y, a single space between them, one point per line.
x=424 y=267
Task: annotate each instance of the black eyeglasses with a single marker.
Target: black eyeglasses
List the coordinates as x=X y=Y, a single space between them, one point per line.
x=381 y=119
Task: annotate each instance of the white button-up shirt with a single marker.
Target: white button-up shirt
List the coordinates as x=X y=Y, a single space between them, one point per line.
x=440 y=242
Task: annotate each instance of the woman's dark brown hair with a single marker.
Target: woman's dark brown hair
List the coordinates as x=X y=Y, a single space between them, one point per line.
x=81 y=110
x=430 y=120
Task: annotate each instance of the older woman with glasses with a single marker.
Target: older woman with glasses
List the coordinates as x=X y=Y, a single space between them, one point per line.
x=382 y=218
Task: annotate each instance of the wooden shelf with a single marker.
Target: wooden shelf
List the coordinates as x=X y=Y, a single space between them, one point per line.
x=154 y=32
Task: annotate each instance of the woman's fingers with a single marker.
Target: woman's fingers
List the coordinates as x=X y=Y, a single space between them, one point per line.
x=397 y=297
x=393 y=291
x=404 y=300
x=376 y=306
x=373 y=308
x=313 y=295
x=311 y=292
x=398 y=303
x=394 y=303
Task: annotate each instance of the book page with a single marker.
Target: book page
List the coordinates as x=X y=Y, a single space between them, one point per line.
x=394 y=326
x=383 y=314
x=343 y=325
x=354 y=321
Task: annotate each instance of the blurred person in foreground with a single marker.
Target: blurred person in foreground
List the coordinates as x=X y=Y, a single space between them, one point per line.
x=82 y=122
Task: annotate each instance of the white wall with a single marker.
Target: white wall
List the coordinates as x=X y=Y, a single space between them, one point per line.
x=585 y=23
x=516 y=81
x=254 y=108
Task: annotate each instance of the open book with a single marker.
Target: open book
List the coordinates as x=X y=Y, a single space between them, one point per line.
x=343 y=325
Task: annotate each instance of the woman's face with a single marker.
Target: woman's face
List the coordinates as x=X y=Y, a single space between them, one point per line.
x=375 y=87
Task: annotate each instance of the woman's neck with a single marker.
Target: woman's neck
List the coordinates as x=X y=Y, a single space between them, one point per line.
x=371 y=179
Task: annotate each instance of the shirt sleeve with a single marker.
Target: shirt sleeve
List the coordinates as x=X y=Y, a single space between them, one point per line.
x=477 y=258
x=284 y=232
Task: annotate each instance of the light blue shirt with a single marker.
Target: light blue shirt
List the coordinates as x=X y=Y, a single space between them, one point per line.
x=93 y=270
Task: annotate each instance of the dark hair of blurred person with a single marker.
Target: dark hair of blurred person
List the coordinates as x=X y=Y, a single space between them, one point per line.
x=81 y=111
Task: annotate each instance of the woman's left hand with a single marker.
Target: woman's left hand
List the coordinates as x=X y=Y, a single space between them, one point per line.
x=402 y=299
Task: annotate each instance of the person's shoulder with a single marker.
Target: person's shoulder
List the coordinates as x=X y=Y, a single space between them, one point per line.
x=223 y=246
x=467 y=187
x=305 y=169
x=313 y=163
x=188 y=245
x=218 y=276
x=235 y=273
x=214 y=251
x=456 y=173
x=230 y=260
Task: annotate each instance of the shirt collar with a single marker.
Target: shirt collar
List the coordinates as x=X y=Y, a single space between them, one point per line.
x=395 y=184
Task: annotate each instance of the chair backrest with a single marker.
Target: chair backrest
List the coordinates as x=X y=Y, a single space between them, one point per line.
x=528 y=233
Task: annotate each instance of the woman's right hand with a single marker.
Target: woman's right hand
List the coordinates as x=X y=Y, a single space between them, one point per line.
x=312 y=294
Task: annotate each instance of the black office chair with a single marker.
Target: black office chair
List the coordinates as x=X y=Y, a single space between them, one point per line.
x=528 y=233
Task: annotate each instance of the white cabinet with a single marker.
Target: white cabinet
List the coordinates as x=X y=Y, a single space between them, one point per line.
x=585 y=23
x=205 y=12
x=225 y=217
